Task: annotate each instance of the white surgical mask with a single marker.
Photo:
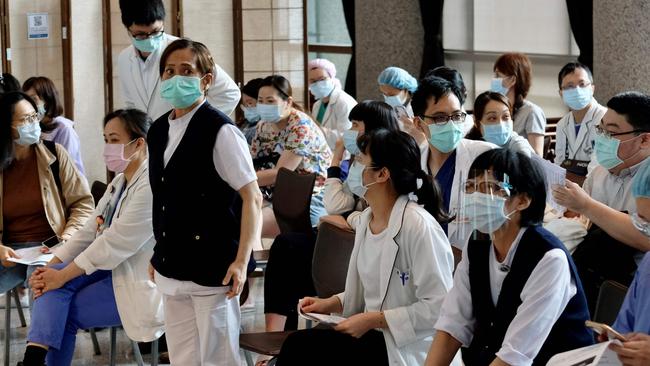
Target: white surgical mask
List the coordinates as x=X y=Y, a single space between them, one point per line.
x=355 y=180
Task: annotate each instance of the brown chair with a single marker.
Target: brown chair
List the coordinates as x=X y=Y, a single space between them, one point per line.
x=292 y=200
x=329 y=270
x=549 y=138
x=610 y=299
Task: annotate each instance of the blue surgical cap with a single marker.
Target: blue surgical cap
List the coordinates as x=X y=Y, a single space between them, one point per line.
x=641 y=182
x=398 y=78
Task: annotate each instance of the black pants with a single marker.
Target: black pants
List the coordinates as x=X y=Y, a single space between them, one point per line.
x=288 y=275
x=328 y=347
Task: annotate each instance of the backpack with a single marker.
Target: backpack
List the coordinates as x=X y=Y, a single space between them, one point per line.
x=55 y=166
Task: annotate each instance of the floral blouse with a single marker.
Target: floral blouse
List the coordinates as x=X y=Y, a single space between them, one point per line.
x=302 y=137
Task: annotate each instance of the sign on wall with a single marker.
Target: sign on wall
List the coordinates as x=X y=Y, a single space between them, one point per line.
x=38 y=26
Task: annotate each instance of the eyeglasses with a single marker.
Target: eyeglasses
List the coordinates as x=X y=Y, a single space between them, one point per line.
x=571 y=86
x=141 y=36
x=30 y=118
x=442 y=119
x=487 y=187
x=604 y=132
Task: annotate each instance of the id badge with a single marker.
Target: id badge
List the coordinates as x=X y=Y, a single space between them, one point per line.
x=577 y=167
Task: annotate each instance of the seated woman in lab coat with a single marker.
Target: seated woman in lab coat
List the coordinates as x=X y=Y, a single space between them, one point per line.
x=493 y=123
x=99 y=277
x=399 y=273
x=517 y=298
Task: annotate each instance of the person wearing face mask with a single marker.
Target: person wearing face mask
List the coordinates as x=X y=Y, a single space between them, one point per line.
x=576 y=131
x=333 y=104
x=513 y=78
x=137 y=65
x=248 y=124
x=517 y=298
x=439 y=117
x=99 y=277
x=43 y=196
x=622 y=144
x=493 y=123
x=400 y=268
x=54 y=126
x=289 y=133
x=456 y=79
x=206 y=212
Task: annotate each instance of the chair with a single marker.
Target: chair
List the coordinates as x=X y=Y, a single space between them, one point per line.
x=97 y=190
x=292 y=200
x=329 y=270
x=136 y=350
x=549 y=138
x=8 y=295
x=610 y=299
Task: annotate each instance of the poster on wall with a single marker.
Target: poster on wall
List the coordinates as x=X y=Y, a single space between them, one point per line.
x=38 y=26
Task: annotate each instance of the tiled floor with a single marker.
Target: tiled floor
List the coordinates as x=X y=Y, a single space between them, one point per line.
x=252 y=321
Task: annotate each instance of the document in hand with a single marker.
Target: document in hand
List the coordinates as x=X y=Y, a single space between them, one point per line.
x=331 y=320
x=555 y=175
x=32 y=256
x=596 y=355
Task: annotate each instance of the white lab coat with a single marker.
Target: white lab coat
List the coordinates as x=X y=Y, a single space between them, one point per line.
x=580 y=147
x=125 y=247
x=416 y=246
x=336 y=118
x=466 y=152
x=223 y=94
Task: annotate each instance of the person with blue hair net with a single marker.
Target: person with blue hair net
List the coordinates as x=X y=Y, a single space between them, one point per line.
x=397 y=86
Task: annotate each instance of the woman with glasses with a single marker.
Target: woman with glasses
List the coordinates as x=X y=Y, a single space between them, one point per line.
x=42 y=194
x=493 y=123
x=399 y=272
x=513 y=73
x=517 y=298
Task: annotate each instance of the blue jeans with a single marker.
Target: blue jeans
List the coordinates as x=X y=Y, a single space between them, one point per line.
x=11 y=277
x=316 y=209
x=87 y=301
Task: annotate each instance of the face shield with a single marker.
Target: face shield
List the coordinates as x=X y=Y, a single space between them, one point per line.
x=483 y=202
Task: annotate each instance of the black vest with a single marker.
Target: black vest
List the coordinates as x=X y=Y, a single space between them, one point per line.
x=196 y=214
x=569 y=331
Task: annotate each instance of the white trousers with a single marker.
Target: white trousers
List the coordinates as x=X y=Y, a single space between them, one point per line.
x=201 y=323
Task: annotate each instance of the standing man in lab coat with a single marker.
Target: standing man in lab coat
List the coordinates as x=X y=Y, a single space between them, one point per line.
x=137 y=64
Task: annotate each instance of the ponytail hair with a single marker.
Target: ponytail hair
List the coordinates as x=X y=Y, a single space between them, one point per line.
x=283 y=87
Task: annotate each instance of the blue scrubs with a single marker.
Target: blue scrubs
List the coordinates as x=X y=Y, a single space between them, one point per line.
x=634 y=315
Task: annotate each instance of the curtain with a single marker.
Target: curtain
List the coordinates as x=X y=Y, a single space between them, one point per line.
x=350 y=86
x=582 y=25
x=433 y=55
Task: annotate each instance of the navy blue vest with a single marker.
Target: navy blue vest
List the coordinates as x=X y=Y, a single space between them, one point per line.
x=569 y=332
x=196 y=214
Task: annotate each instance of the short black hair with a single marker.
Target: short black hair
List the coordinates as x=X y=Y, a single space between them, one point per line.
x=141 y=12
x=454 y=77
x=634 y=106
x=375 y=115
x=252 y=87
x=431 y=87
x=398 y=152
x=9 y=83
x=524 y=175
x=136 y=122
x=8 y=103
x=571 y=67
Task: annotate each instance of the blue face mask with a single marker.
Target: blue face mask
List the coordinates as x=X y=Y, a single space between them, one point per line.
x=394 y=100
x=355 y=180
x=607 y=151
x=350 y=141
x=251 y=115
x=181 y=91
x=445 y=137
x=148 y=45
x=485 y=212
x=322 y=89
x=270 y=112
x=577 y=98
x=28 y=133
x=497 y=134
x=497 y=86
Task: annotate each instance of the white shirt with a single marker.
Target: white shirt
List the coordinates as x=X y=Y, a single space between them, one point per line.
x=369 y=263
x=230 y=155
x=529 y=119
x=612 y=190
x=544 y=297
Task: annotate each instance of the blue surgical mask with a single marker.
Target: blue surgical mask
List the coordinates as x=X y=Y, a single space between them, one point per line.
x=181 y=91
x=446 y=137
x=270 y=112
x=355 y=180
x=498 y=134
x=322 y=89
x=640 y=224
x=577 y=98
x=607 y=151
x=29 y=133
x=148 y=45
x=350 y=141
x=250 y=113
x=394 y=100
x=485 y=212
x=40 y=109
x=497 y=86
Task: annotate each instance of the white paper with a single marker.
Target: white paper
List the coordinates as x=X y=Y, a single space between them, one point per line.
x=32 y=256
x=596 y=355
x=331 y=320
x=38 y=26
x=555 y=175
